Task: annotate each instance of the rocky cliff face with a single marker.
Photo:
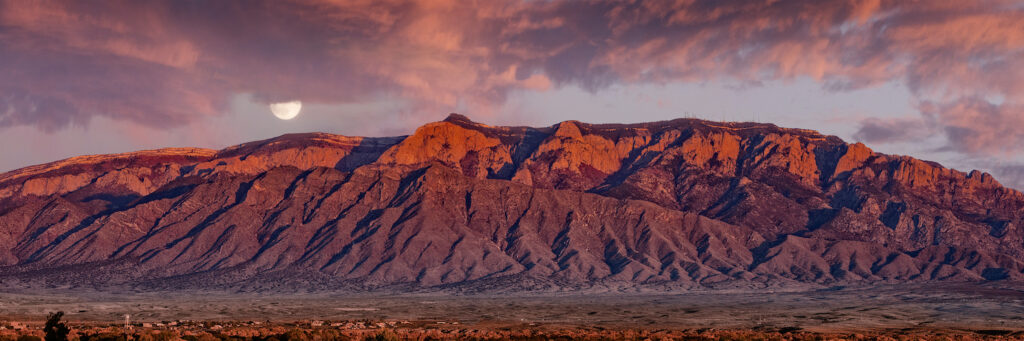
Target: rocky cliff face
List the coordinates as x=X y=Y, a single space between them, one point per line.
x=675 y=204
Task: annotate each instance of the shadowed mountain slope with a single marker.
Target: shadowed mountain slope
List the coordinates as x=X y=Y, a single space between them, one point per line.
x=458 y=204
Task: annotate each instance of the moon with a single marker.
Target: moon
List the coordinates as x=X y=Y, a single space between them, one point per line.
x=286 y=110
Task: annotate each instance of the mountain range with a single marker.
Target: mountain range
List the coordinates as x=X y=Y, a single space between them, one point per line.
x=460 y=205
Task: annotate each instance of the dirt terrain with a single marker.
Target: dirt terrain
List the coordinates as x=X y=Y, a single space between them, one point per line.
x=973 y=309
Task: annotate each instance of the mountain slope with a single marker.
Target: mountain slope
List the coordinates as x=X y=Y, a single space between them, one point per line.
x=675 y=204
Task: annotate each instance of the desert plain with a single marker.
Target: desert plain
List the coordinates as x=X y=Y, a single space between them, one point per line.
x=909 y=310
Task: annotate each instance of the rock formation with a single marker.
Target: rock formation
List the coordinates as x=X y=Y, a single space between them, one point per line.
x=462 y=205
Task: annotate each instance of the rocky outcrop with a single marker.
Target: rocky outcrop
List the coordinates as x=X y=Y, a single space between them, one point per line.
x=459 y=204
x=139 y=172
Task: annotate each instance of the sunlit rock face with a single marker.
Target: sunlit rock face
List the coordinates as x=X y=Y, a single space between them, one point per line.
x=465 y=206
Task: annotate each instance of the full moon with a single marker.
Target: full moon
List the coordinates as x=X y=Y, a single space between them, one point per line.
x=286 y=110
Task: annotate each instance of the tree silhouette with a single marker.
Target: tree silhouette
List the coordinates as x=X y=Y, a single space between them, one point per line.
x=55 y=329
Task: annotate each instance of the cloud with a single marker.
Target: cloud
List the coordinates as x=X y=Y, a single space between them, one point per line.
x=1011 y=175
x=978 y=126
x=166 y=63
x=878 y=130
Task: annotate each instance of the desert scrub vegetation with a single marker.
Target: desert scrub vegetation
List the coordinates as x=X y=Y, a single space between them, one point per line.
x=383 y=335
x=55 y=329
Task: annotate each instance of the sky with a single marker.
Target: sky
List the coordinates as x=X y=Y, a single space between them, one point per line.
x=935 y=79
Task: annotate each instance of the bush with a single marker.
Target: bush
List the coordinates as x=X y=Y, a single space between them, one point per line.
x=166 y=335
x=295 y=335
x=384 y=335
x=55 y=329
x=103 y=337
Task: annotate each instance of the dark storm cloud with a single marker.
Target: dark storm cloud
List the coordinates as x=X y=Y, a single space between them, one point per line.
x=166 y=63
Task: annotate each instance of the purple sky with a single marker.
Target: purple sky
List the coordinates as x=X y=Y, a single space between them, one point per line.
x=939 y=80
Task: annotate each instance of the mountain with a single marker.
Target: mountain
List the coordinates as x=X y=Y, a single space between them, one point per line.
x=460 y=205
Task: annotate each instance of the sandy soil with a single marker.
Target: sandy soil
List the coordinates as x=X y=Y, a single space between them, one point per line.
x=966 y=307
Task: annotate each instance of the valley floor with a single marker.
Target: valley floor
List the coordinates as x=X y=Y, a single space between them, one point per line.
x=965 y=310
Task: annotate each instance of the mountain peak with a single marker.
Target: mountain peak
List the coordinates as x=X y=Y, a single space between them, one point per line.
x=458 y=118
x=569 y=129
x=681 y=203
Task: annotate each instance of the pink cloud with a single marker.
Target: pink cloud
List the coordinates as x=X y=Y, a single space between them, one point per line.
x=167 y=63
x=876 y=130
x=977 y=126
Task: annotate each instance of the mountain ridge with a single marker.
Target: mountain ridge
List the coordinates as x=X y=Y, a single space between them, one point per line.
x=672 y=204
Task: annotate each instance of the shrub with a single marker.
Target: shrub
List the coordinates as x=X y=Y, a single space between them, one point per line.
x=103 y=337
x=295 y=335
x=383 y=335
x=55 y=329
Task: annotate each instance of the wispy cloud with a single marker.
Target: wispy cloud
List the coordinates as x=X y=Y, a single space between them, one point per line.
x=903 y=129
x=169 y=63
